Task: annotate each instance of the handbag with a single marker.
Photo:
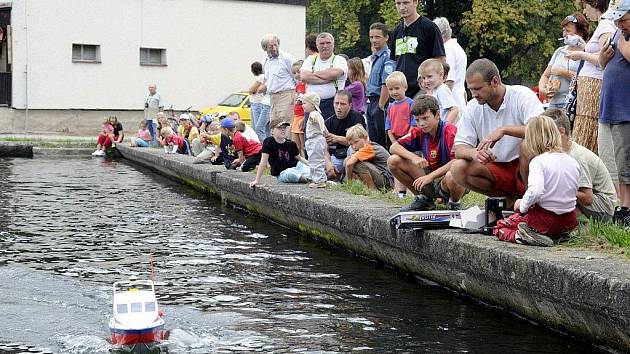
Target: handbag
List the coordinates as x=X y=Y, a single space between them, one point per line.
x=570 y=105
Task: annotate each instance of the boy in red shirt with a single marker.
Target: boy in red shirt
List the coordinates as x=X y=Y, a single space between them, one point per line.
x=173 y=141
x=248 y=150
x=427 y=175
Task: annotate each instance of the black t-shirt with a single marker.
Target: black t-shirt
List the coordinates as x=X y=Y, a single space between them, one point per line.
x=412 y=45
x=227 y=148
x=117 y=129
x=281 y=156
x=340 y=127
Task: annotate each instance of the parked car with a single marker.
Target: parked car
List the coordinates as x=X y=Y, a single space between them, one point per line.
x=237 y=102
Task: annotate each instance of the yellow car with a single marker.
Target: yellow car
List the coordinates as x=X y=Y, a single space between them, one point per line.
x=235 y=102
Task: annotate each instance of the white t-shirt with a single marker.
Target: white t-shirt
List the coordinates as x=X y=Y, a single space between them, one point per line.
x=457 y=60
x=327 y=90
x=519 y=105
x=552 y=183
x=445 y=99
x=257 y=97
x=590 y=70
x=250 y=134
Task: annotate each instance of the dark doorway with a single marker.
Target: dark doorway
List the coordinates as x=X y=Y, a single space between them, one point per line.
x=5 y=60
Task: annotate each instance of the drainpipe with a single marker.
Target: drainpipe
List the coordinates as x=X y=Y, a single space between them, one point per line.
x=26 y=66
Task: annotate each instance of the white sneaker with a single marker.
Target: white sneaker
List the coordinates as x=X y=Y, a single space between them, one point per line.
x=99 y=153
x=95 y=152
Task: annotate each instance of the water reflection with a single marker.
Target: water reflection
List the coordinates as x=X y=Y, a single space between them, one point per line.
x=227 y=282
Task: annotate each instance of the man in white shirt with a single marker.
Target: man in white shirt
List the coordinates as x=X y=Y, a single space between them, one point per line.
x=152 y=105
x=279 y=80
x=488 y=141
x=325 y=73
x=457 y=60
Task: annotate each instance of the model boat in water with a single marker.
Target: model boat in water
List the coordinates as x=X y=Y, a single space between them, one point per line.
x=137 y=318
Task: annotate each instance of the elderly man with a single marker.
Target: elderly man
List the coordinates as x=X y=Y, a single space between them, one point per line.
x=614 y=114
x=377 y=92
x=337 y=127
x=152 y=105
x=279 y=80
x=325 y=73
x=489 y=159
x=414 y=40
x=457 y=60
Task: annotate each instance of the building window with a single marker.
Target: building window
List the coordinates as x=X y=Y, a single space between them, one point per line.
x=152 y=56
x=86 y=53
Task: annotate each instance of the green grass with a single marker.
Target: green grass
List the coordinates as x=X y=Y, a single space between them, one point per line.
x=603 y=235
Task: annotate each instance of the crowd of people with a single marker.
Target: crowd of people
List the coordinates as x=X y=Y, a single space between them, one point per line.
x=400 y=119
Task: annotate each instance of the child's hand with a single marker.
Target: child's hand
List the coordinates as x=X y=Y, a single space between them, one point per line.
x=422 y=181
x=253 y=184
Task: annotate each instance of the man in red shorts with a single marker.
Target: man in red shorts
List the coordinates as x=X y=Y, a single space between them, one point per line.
x=488 y=153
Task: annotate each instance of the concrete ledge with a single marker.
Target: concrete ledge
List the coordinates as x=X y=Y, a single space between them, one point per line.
x=8 y=149
x=582 y=292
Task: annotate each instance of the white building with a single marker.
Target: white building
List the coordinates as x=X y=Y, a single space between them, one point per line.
x=71 y=58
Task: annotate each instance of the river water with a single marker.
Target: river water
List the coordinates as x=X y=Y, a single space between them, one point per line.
x=228 y=282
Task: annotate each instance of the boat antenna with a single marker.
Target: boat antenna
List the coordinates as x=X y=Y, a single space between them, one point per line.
x=152 y=269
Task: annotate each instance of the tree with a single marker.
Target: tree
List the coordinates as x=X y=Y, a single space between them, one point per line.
x=519 y=35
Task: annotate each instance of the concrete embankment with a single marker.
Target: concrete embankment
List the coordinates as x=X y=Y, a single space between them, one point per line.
x=581 y=292
x=8 y=149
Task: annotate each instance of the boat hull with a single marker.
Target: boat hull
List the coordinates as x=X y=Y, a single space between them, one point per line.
x=138 y=336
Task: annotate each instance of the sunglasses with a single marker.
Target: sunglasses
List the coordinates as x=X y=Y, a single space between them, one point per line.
x=571 y=18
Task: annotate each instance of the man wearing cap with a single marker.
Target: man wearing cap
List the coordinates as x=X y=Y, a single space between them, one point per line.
x=337 y=126
x=614 y=114
x=377 y=92
x=325 y=73
x=278 y=79
x=152 y=105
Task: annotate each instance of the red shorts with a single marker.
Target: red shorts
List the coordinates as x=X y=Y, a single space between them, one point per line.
x=540 y=219
x=507 y=178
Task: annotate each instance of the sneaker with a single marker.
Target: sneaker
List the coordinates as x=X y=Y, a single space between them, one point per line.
x=402 y=195
x=528 y=236
x=98 y=153
x=450 y=205
x=620 y=214
x=420 y=203
x=95 y=153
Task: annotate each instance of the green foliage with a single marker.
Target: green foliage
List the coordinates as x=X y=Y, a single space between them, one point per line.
x=521 y=34
x=598 y=234
x=341 y=18
x=349 y=21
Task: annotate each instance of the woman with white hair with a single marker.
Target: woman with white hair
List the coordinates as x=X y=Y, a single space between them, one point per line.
x=457 y=60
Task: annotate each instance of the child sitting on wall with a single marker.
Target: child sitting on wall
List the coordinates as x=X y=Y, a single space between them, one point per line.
x=248 y=151
x=368 y=163
x=171 y=142
x=143 y=139
x=284 y=158
x=547 y=210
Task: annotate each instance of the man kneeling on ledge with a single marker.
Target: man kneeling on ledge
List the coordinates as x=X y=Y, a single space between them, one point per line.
x=490 y=158
x=427 y=176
